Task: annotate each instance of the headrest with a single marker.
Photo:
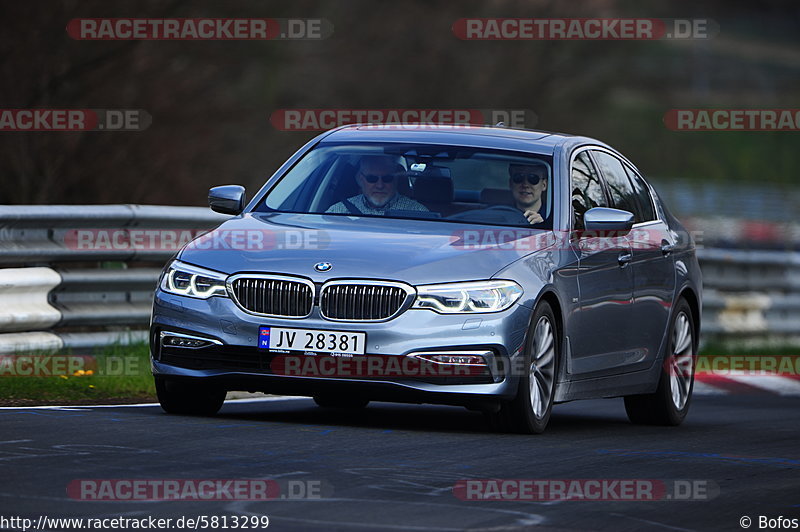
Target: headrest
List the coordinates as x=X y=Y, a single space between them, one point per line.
x=497 y=196
x=403 y=184
x=433 y=189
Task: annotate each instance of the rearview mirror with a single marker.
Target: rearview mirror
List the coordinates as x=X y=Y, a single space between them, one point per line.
x=227 y=199
x=602 y=221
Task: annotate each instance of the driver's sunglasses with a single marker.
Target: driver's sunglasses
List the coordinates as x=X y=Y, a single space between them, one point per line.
x=533 y=179
x=372 y=178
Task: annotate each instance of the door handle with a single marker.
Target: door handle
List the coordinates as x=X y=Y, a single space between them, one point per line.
x=624 y=258
x=666 y=248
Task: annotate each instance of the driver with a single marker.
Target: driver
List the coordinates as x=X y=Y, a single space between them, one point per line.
x=377 y=178
x=528 y=182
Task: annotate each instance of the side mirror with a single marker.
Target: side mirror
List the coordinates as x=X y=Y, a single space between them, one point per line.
x=227 y=199
x=608 y=222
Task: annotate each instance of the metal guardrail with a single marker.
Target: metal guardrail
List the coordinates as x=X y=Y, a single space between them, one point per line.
x=751 y=270
x=44 y=234
x=56 y=294
x=753 y=293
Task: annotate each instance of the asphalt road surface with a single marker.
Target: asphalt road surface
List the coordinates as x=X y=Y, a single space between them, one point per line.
x=393 y=467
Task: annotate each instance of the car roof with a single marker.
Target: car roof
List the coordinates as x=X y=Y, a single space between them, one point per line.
x=493 y=137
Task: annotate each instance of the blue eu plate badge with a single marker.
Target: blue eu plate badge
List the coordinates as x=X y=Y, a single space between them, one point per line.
x=263 y=337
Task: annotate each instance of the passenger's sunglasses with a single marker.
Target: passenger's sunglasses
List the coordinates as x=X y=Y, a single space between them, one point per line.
x=533 y=179
x=372 y=178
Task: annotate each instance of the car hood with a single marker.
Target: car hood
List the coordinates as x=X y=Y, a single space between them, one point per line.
x=414 y=251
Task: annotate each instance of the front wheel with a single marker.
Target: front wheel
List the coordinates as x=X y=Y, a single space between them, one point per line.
x=530 y=410
x=670 y=402
x=189 y=399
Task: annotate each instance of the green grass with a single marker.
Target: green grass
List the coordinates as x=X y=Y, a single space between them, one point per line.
x=119 y=373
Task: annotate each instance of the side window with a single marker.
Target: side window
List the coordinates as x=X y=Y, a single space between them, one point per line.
x=620 y=188
x=587 y=190
x=643 y=195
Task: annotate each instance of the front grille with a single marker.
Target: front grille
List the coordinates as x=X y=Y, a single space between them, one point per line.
x=274 y=296
x=365 y=302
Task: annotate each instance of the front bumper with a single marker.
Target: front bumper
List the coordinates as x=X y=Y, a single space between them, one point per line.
x=236 y=363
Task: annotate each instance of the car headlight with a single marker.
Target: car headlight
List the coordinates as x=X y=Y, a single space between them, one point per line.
x=191 y=281
x=462 y=298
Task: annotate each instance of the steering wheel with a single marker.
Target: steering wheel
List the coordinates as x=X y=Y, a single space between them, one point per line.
x=496 y=214
x=513 y=212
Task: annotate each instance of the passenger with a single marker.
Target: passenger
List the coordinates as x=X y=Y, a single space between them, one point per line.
x=377 y=178
x=528 y=182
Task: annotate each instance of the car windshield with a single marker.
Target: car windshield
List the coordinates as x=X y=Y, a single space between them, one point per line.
x=418 y=181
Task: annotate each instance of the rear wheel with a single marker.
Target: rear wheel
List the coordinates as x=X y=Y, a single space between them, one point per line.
x=530 y=410
x=670 y=402
x=328 y=401
x=187 y=398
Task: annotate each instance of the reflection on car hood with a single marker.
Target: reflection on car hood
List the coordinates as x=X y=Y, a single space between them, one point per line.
x=415 y=251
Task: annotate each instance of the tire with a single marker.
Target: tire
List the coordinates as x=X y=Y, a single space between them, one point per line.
x=188 y=399
x=328 y=401
x=670 y=402
x=529 y=412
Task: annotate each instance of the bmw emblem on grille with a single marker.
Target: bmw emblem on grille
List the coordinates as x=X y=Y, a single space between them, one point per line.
x=323 y=266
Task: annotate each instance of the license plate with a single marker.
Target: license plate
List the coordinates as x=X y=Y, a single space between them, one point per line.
x=319 y=341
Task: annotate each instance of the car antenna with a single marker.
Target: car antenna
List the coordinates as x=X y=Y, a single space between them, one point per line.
x=500 y=124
